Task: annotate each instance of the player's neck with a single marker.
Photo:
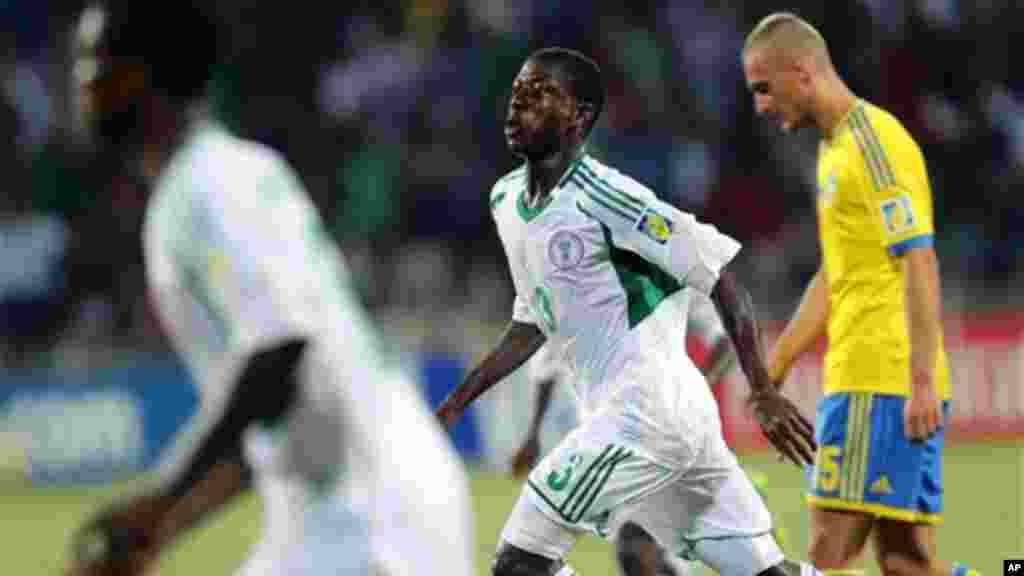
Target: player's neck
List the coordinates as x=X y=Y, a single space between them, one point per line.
x=836 y=102
x=545 y=172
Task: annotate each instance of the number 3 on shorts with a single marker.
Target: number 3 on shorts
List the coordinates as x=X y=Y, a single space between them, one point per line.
x=827 y=468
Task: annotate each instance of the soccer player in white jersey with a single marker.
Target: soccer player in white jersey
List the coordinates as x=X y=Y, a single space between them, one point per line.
x=296 y=400
x=594 y=257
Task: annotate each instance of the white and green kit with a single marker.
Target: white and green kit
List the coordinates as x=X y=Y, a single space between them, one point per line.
x=606 y=271
x=237 y=260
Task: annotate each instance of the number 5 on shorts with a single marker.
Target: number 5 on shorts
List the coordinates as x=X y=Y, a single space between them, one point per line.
x=827 y=468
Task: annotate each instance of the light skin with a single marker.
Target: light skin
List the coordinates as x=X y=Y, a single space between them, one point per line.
x=799 y=88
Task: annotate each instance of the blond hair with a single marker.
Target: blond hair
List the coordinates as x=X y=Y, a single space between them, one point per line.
x=790 y=34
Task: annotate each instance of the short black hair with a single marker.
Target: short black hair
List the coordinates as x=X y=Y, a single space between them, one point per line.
x=582 y=74
x=181 y=43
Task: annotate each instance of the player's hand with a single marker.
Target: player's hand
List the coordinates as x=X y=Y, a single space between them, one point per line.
x=448 y=415
x=526 y=457
x=118 y=541
x=788 y=431
x=922 y=414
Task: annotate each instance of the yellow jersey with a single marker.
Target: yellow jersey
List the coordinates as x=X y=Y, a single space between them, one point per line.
x=874 y=203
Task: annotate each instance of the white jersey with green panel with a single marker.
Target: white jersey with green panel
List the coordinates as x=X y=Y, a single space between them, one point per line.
x=237 y=260
x=605 y=269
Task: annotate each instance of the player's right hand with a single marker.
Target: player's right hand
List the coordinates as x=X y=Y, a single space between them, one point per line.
x=787 y=430
x=525 y=458
x=117 y=541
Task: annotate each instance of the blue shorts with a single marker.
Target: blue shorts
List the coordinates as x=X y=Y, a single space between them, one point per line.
x=865 y=462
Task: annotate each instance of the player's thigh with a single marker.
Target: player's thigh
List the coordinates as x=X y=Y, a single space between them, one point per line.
x=898 y=543
x=637 y=551
x=837 y=536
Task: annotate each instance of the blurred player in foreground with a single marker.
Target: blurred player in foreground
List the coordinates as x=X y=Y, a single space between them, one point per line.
x=295 y=397
x=547 y=370
x=594 y=255
x=886 y=378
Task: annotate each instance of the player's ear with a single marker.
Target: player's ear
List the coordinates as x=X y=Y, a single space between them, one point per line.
x=584 y=115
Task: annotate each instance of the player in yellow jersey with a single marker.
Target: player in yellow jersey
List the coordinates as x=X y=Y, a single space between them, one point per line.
x=880 y=425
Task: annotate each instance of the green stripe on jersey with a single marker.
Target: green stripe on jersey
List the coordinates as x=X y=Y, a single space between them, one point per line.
x=616 y=208
x=594 y=187
x=607 y=186
x=646 y=286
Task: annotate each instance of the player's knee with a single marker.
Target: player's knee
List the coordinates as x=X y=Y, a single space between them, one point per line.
x=512 y=561
x=827 y=552
x=899 y=565
x=636 y=551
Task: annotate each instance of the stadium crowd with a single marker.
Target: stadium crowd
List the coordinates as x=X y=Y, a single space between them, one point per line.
x=393 y=118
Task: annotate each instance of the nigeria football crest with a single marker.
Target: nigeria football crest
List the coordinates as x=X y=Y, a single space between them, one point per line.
x=565 y=250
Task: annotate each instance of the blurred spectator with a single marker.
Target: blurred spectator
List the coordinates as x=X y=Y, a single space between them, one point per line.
x=393 y=116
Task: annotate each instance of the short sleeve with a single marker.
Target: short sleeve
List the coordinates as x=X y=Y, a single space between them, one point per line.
x=263 y=260
x=690 y=251
x=905 y=215
x=899 y=194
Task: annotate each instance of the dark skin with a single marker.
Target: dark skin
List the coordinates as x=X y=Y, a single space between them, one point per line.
x=546 y=125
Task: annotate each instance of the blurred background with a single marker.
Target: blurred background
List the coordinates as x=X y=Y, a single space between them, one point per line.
x=392 y=114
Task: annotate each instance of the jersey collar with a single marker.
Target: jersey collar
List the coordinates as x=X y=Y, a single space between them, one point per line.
x=528 y=213
x=844 y=122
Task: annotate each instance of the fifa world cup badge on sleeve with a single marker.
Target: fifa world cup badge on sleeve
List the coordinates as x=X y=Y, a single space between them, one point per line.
x=655 y=226
x=898 y=214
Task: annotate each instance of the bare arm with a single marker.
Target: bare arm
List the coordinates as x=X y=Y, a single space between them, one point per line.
x=517 y=344
x=808 y=323
x=739 y=318
x=720 y=361
x=923 y=322
x=924 y=326
x=783 y=425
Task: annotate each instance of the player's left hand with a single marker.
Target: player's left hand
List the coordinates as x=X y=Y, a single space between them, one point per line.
x=118 y=541
x=922 y=414
x=787 y=430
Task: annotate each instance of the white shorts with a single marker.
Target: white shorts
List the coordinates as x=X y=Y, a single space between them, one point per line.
x=709 y=511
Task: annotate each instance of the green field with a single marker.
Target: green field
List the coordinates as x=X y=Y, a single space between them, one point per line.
x=983 y=510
